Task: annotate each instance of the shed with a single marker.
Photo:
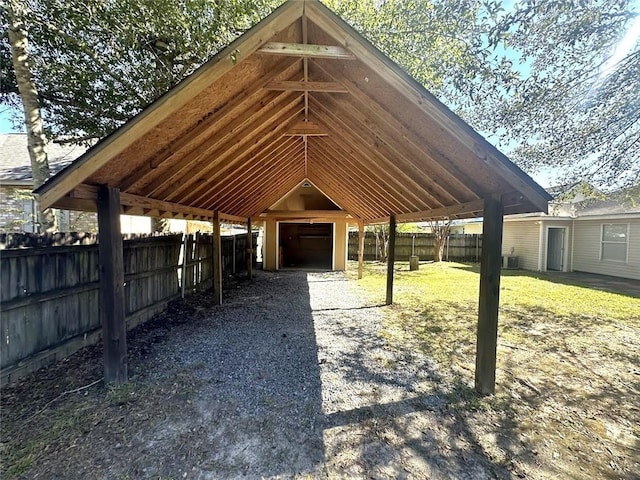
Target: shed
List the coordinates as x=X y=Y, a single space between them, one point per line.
x=299 y=98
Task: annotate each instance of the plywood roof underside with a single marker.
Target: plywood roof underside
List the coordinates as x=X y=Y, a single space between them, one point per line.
x=258 y=119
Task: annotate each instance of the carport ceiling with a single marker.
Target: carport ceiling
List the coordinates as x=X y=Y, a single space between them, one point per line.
x=299 y=96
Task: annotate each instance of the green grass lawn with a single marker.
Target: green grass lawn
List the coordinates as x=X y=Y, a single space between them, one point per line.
x=568 y=375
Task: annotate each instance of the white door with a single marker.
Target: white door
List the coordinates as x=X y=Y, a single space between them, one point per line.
x=555 y=249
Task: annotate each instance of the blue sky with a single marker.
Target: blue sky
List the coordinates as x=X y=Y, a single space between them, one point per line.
x=5 y=123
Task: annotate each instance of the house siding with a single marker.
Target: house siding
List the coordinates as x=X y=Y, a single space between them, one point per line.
x=14 y=217
x=586 y=249
x=521 y=239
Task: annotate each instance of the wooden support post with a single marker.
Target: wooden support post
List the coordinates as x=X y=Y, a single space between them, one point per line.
x=490 y=264
x=360 y=249
x=112 y=315
x=249 y=250
x=217 y=260
x=391 y=257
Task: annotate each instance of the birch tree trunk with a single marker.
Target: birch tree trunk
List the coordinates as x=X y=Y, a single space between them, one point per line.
x=36 y=140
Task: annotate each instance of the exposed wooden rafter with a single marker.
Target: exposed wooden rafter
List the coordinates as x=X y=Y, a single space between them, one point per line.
x=86 y=196
x=474 y=207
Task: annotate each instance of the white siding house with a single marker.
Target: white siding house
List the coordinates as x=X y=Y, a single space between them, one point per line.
x=600 y=237
x=608 y=245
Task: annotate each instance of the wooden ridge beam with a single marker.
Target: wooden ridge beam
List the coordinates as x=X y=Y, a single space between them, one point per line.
x=292 y=86
x=476 y=206
x=307 y=50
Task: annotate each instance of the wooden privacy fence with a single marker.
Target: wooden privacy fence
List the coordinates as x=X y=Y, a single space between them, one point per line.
x=458 y=248
x=49 y=303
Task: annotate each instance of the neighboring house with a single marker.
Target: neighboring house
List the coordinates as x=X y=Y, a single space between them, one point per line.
x=17 y=204
x=472 y=226
x=595 y=236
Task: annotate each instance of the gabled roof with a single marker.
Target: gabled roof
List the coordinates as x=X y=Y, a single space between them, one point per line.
x=617 y=203
x=15 y=164
x=299 y=96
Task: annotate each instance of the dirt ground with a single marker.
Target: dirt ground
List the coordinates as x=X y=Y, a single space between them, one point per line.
x=297 y=376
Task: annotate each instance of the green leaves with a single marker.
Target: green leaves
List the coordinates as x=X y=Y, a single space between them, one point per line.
x=566 y=110
x=538 y=74
x=98 y=63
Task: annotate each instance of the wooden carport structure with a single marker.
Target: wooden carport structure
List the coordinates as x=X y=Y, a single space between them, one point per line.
x=299 y=97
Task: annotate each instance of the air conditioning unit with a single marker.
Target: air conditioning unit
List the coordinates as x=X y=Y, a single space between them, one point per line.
x=509 y=262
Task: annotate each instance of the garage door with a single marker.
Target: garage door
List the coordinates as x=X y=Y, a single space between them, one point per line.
x=304 y=245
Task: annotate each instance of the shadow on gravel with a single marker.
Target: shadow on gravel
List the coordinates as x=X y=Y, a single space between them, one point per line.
x=236 y=391
x=420 y=436
x=215 y=392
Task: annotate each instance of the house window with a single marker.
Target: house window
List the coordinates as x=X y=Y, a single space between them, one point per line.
x=28 y=218
x=615 y=238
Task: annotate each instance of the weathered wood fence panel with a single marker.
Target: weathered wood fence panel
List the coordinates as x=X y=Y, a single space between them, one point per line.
x=459 y=247
x=49 y=302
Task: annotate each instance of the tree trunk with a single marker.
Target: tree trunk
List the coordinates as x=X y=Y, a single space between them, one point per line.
x=159 y=225
x=438 y=249
x=382 y=242
x=440 y=230
x=36 y=140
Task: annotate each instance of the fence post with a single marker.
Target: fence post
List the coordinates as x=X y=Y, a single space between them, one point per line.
x=217 y=259
x=233 y=254
x=183 y=274
x=249 y=250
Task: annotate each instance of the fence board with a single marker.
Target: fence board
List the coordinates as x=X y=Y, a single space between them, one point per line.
x=459 y=247
x=49 y=290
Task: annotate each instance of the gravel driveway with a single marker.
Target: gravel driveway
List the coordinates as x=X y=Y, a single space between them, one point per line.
x=291 y=377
